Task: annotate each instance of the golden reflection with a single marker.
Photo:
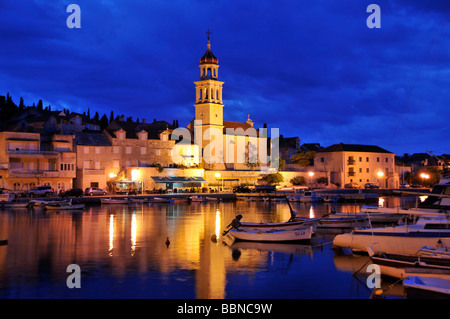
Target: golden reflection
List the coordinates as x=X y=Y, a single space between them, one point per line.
x=381 y=202
x=311 y=212
x=423 y=198
x=133 y=233
x=111 y=234
x=218 y=219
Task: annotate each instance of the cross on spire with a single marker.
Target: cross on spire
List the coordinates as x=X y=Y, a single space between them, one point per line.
x=208 y=33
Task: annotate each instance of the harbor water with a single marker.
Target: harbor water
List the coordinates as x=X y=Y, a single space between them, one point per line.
x=167 y=251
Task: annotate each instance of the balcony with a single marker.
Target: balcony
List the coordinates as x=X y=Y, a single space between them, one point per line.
x=32 y=153
x=19 y=172
x=351 y=173
x=351 y=162
x=92 y=171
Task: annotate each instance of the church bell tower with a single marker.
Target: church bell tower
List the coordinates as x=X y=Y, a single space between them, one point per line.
x=208 y=106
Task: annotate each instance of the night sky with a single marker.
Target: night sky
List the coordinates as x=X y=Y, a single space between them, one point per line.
x=313 y=69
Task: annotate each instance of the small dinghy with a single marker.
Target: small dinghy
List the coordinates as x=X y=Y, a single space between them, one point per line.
x=114 y=200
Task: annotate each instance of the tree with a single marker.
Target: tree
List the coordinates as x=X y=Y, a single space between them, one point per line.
x=298 y=180
x=304 y=158
x=40 y=106
x=103 y=122
x=96 y=117
x=272 y=179
x=111 y=117
x=21 y=104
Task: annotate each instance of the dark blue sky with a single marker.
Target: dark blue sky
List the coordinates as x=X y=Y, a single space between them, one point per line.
x=313 y=69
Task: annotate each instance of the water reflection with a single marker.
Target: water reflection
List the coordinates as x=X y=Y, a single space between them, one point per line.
x=122 y=253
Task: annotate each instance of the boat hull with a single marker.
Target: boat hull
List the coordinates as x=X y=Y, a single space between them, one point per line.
x=113 y=201
x=299 y=235
x=389 y=242
x=65 y=207
x=280 y=226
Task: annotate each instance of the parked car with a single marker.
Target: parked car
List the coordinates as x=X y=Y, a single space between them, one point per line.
x=77 y=192
x=241 y=189
x=94 y=191
x=371 y=185
x=352 y=185
x=404 y=186
x=41 y=191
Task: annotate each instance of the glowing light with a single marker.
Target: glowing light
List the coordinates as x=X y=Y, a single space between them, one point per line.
x=135 y=174
x=133 y=233
x=423 y=198
x=111 y=234
x=218 y=219
x=311 y=174
x=380 y=174
x=112 y=175
x=311 y=212
x=217 y=175
x=381 y=202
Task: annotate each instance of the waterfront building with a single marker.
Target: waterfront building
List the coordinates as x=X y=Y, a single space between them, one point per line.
x=357 y=165
x=223 y=145
x=30 y=159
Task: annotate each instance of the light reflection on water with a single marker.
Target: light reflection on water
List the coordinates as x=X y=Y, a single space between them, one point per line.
x=122 y=252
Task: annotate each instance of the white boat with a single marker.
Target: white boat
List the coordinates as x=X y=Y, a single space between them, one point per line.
x=427 y=284
x=289 y=225
x=343 y=222
x=160 y=200
x=404 y=239
x=372 y=217
x=43 y=202
x=64 y=206
x=114 y=200
x=197 y=199
x=434 y=251
x=404 y=265
x=212 y=199
x=7 y=197
x=310 y=197
x=272 y=236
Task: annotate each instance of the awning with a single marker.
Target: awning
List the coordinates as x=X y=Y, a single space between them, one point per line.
x=178 y=179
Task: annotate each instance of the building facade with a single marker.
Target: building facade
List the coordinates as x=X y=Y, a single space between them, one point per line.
x=357 y=165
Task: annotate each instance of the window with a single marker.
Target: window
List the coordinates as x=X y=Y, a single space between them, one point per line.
x=128 y=150
x=387 y=160
x=367 y=170
x=360 y=170
x=128 y=163
x=116 y=164
x=378 y=159
x=86 y=164
x=121 y=135
x=143 y=151
x=158 y=152
x=16 y=186
x=116 y=149
x=97 y=150
x=367 y=159
x=360 y=159
x=86 y=150
x=322 y=159
x=97 y=165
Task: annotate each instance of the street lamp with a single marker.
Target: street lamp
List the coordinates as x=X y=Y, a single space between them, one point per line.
x=380 y=175
x=218 y=175
x=311 y=174
x=424 y=176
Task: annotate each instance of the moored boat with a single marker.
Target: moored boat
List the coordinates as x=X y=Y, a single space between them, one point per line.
x=273 y=236
x=289 y=225
x=160 y=200
x=403 y=239
x=435 y=286
x=114 y=200
x=404 y=265
x=197 y=198
x=64 y=206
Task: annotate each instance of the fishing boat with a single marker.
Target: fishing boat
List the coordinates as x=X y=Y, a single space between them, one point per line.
x=212 y=199
x=7 y=197
x=429 y=230
x=436 y=286
x=404 y=265
x=197 y=199
x=42 y=202
x=272 y=235
x=114 y=200
x=64 y=206
x=160 y=200
x=289 y=225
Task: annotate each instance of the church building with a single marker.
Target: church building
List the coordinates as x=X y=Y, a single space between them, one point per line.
x=223 y=145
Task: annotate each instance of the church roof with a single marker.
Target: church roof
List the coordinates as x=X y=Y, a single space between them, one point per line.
x=209 y=57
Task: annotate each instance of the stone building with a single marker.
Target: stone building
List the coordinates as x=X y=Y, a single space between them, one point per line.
x=358 y=165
